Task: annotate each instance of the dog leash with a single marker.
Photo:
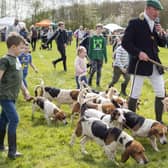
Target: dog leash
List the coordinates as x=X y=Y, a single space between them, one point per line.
x=158 y=64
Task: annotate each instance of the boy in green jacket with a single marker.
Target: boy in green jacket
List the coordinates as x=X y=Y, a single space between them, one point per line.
x=97 y=53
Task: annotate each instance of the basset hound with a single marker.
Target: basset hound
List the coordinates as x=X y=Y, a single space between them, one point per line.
x=109 y=138
x=51 y=111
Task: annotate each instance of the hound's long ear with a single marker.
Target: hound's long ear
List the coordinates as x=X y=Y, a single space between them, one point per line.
x=125 y=155
x=74 y=94
x=113 y=114
x=152 y=132
x=76 y=107
x=108 y=110
x=78 y=130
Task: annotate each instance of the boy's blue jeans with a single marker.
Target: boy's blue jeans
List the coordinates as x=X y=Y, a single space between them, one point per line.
x=8 y=116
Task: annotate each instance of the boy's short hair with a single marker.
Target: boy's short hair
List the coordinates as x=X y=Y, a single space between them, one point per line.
x=99 y=25
x=60 y=23
x=14 y=39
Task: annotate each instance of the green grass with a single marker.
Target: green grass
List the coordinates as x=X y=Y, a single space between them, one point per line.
x=48 y=146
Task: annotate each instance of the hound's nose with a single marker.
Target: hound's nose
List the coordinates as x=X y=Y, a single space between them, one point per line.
x=124 y=120
x=146 y=161
x=165 y=142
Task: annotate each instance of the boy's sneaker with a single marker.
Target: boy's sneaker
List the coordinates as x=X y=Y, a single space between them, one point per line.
x=14 y=156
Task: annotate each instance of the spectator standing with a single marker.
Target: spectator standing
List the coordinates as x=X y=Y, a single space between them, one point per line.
x=3 y=34
x=34 y=37
x=13 y=28
x=60 y=37
x=97 y=53
x=120 y=66
x=85 y=41
x=141 y=40
x=69 y=34
x=79 y=33
x=25 y=59
x=167 y=38
x=49 y=35
x=24 y=33
x=80 y=65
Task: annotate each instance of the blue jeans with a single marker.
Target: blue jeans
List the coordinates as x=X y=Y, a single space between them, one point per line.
x=83 y=78
x=8 y=116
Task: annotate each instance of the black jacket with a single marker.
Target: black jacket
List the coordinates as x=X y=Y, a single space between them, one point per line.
x=60 y=37
x=138 y=37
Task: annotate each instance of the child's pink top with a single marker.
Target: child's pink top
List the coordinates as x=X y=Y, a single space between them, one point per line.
x=80 y=66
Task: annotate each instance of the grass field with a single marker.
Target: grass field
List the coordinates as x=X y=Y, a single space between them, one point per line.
x=48 y=146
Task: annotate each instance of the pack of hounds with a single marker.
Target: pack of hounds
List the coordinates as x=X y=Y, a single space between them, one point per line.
x=103 y=118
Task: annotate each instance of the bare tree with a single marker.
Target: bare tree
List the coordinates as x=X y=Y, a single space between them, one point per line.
x=3 y=8
x=36 y=5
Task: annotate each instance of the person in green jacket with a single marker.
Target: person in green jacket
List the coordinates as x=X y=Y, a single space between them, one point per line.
x=97 y=53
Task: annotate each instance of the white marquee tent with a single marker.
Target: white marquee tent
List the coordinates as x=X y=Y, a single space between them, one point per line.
x=113 y=27
x=8 y=21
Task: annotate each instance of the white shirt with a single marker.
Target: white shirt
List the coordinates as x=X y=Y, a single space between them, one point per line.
x=150 y=22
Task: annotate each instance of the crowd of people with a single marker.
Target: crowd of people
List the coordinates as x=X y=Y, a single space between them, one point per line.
x=132 y=53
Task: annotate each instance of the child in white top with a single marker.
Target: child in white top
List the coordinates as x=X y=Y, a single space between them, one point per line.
x=80 y=65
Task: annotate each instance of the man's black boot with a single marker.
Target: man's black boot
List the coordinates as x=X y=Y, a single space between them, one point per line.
x=132 y=104
x=123 y=89
x=159 y=108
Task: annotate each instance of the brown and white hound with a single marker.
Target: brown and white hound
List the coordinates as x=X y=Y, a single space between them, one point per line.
x=51 y=111
x=62 y=96
x=143 y=127
x=109 y=139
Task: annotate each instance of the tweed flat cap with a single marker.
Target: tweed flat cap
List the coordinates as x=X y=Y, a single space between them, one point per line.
x=154 y=3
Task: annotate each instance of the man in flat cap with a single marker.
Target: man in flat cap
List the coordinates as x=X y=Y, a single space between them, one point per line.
x=141 y=40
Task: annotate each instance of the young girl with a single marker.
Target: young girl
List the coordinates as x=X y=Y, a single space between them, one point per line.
x=80 y=65
x=25 y=59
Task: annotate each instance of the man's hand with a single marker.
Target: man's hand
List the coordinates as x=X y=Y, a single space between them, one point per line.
x=143 y=56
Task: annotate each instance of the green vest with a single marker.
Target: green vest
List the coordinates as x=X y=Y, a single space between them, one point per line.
x=11 y=80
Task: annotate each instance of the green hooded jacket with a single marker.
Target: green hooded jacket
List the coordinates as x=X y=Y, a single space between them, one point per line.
x=97 y=48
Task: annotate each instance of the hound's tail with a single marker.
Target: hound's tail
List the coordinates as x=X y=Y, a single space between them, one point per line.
x=39 y=89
